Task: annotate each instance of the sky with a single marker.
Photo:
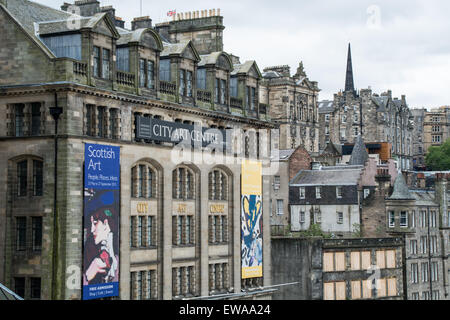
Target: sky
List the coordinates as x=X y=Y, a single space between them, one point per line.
x=401 y=45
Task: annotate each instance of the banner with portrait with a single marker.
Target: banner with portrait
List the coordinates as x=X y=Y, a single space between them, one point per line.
x=101 y=221
x=251 y=219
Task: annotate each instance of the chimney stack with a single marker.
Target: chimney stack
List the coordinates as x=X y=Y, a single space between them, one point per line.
x=141 y=23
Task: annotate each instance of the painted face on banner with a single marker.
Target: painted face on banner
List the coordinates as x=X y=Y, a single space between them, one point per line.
x=99 y=230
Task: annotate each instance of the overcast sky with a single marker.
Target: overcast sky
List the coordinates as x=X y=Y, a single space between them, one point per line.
x=401 y=45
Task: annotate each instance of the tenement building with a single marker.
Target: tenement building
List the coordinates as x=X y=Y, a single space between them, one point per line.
x=293 y=101
x=436 y=127
x=137 y=187
x=377 y=118
x=418 y=142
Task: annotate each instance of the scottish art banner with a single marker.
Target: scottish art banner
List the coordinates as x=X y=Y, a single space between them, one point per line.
x=251 y=219
x=101 y=221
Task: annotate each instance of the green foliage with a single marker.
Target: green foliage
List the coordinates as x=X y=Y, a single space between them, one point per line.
x=356 y=230
x=438 y=158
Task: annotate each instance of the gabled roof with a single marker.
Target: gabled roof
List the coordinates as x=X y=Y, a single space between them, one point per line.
x=6 y=294
x=401 y=190
x=282 y=155
x=178 y=49
x=77 y=23
x=359 y=154
x=246 y=68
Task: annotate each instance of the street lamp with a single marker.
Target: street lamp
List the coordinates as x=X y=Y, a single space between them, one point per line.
x=55 y=112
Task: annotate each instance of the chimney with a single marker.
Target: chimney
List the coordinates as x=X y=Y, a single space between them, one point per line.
x=88 y=8
x=141 y=23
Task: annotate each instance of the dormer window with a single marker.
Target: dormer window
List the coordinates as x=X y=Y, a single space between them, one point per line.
x=185 y=88
x=164 y=70
x=101 y=66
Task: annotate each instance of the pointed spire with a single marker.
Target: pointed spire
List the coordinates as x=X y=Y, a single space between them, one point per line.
x=359 y=154
x=349 y=84
x=401 y=190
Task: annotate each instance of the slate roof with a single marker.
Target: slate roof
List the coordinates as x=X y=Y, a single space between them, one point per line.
x=335 y=177
x=271 y=74
x=401 y=190
x=326 y=106
x=424 y=197
x=381 y=102
x=245 y=68
x=174 y=48
x=359 y=154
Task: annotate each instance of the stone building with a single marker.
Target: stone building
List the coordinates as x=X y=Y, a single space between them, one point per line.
x=180 y=218
x=418 y=142
x=293 y=102
x=332 y=197
x=339 y=269
x=378 y=118
x=422 y=217
x=289 y=163
x=436 y=127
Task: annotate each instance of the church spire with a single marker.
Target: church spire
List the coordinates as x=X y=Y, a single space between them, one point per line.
x=349 y=84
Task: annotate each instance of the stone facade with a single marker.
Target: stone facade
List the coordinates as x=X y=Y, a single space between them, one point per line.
x=436 y=127
x=293 y=102
x=100 y=104
x=418 y=142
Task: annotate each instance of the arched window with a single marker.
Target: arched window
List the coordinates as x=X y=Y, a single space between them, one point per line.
x=183 y=184
x=143 y=181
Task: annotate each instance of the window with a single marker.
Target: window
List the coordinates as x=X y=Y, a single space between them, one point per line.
x=21 y=233
x=435 y=295
x=144 y=181
x=183 y=230
x=355 y=131
x=233 y=87
x=142 y=73
x=183 y=184
x=403 y=219
x=37 y=178
x=340 y=218
x=35 y=286
x=342 y=133
x=302 y=192
x=182 y=82
x=223 y=90
x=434 y=271
x=302 y=216
x=19 y=286
x=189 y=80
x=413 y=219
x=150 y=74
x=339 y=192
x=164 y=70
x=433 y=244
x=327 y=118
x=414 y=273
x=433 y=219
x=276 y=182
x=218 y=185
x=183 y=281
x=67 y=46
x=415 y=296
x=423 y=219
x=143 y=285
x=318 y=192
x=426 y=295
x=36 y=233
x=423 y=244
x=96 y=65
x=344 y=119
x=123 y=59
x=366 y=193
x=201 y=79
x=106 y=60
x=391 y=219
x=22 y=178
x=101 y=132
x=317 y=217
x=280 y=208
x=424 y=266
x=218 y=277
x=413 y=247
x=35 y=119
x=436 y=139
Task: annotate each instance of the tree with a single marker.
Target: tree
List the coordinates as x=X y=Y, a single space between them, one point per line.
x=438 y=158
